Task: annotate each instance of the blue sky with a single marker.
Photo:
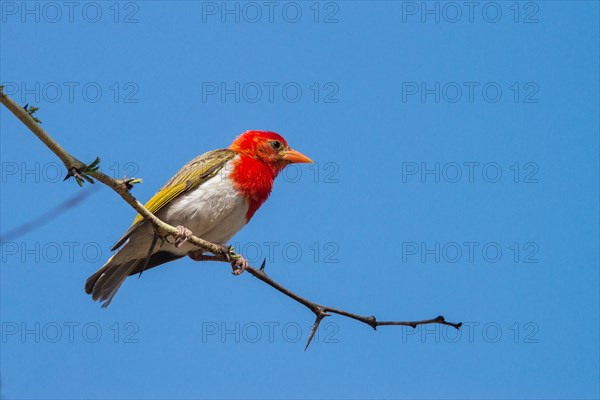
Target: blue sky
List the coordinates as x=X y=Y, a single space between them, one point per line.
x=456 y=173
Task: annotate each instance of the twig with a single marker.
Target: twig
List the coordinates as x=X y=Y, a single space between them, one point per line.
x=220 y=253
x=322 y=311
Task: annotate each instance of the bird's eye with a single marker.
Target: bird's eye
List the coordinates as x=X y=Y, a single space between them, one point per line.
x=276 y=145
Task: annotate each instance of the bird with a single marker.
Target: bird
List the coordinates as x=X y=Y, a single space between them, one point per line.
x=212 y=197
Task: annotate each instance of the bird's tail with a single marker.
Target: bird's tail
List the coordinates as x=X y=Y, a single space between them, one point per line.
x=103 y=285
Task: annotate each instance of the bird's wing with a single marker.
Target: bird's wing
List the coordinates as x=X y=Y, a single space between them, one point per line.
x=192 y=175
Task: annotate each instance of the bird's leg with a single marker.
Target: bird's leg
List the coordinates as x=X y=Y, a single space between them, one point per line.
x=238 y=262
x=238 y=265
x=183 y=234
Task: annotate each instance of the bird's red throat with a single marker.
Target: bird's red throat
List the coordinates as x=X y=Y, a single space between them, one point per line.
x=254 y=180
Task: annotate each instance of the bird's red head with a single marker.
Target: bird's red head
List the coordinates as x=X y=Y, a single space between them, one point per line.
x=268 y=147
x=262 y=155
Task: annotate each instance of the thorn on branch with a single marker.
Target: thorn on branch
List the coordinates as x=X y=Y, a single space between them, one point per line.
x=262 y=266
x=81 y=174
x=320 y=315
x=32 y=110
x=441 y=320
x=129 y=182
x=372 y=321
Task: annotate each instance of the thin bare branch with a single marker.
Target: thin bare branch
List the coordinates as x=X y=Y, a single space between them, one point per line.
x=220 y=253
x=322 y=311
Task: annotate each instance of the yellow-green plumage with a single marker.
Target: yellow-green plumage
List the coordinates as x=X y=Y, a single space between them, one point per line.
x=190 y=176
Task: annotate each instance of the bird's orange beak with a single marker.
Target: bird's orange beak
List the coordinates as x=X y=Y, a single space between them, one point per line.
x=294 y=156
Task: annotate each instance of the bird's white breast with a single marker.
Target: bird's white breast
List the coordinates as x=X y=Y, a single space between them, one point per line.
x=214 y=211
